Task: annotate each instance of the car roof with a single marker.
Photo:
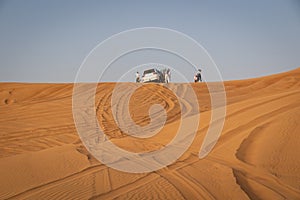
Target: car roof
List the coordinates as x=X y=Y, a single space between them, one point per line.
x=151 y=69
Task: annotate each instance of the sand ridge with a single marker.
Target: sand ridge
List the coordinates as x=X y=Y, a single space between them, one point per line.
x=42 y=157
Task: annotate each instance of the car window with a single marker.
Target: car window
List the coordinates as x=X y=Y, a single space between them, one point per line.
x=148 y=71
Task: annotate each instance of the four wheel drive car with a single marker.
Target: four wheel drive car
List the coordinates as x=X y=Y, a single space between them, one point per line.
x=152 y=75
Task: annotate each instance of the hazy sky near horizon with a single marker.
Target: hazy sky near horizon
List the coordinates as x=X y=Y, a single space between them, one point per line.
x=46 y=41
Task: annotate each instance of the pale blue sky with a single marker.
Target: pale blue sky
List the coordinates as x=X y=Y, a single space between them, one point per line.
x=46 y=41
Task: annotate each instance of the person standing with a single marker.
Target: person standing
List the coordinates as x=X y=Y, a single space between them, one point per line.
x=137 y=77
x=198 y=76
x=167 y=76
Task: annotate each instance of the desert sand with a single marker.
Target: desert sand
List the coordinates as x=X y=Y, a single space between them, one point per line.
x=256 y=157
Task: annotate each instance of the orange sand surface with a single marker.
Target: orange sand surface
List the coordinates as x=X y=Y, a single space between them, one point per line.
x=256 y=157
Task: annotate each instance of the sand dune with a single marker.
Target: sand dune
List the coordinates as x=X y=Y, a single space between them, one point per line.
x=42 y=156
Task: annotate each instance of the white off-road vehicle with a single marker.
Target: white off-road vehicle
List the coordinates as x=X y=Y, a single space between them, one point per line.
x=152 y=75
